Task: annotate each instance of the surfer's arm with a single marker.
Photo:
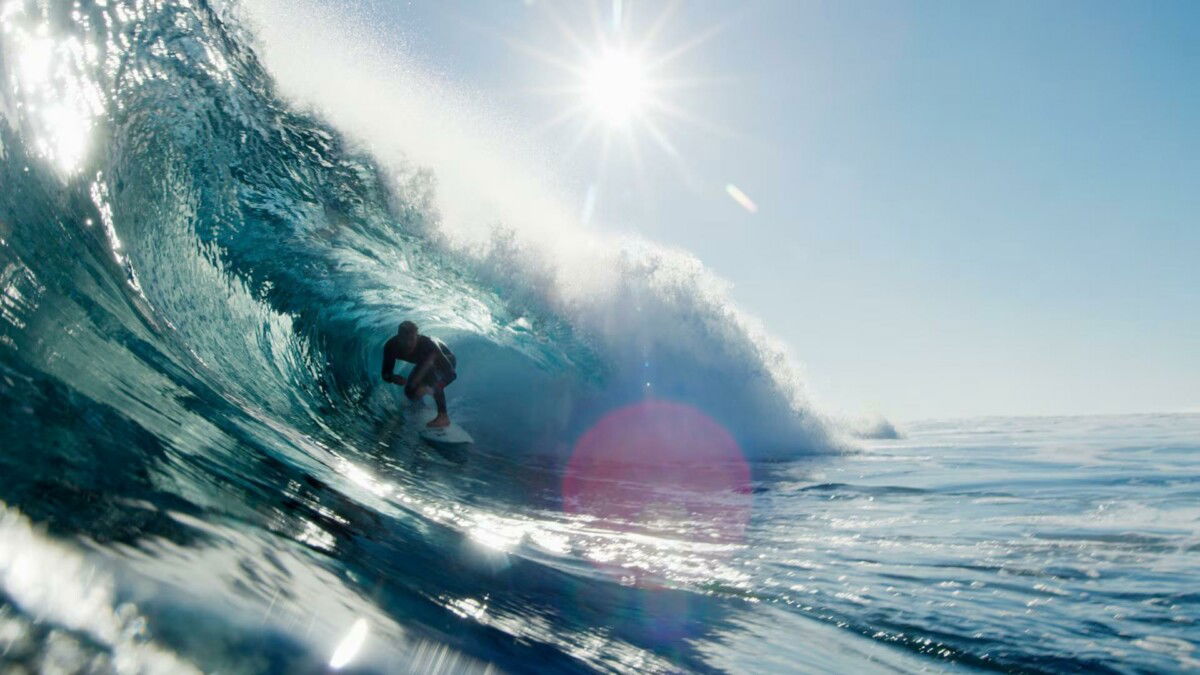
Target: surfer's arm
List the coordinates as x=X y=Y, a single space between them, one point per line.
x=418 y=373
x=389 y=364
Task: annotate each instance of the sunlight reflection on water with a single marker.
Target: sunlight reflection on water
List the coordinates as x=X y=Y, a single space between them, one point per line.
x=50 y=79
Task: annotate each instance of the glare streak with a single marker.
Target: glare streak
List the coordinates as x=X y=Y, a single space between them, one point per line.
x=740 y=197
x=350 y=645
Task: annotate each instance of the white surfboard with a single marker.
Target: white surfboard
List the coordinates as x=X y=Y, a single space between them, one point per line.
x=452 y=435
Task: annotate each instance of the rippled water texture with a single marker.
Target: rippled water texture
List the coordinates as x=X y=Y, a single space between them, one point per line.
x=200 y=470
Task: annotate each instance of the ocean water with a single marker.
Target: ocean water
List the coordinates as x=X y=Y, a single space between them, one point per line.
x=201 y=254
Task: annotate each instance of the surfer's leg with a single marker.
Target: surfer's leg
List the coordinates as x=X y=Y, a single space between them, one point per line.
x=439 y=397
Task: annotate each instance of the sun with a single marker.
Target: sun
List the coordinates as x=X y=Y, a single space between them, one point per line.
x=618 y=83
x=615 y=86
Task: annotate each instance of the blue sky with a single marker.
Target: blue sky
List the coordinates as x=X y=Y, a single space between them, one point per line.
x=963 y=208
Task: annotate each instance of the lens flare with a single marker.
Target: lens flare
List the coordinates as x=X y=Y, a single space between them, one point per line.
x=735 y=193
x=660 y=465
x=348 y=648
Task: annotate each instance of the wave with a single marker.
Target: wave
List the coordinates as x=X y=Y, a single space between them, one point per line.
x=658 y=322
x=273 y=252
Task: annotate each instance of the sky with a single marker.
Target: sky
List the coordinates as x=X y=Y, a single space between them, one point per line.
x=960 y=209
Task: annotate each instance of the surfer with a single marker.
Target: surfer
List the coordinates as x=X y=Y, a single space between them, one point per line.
x=434 y=367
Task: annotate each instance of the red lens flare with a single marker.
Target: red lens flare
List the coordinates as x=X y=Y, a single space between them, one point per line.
x=660 y=466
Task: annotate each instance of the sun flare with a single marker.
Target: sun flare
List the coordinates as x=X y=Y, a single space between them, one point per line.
x=615 y=86
x=625 y=87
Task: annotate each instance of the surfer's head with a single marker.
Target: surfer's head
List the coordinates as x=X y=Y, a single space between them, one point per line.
x=408 y=335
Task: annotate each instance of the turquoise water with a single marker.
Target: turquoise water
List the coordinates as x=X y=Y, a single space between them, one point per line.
x=1053 y=544
x=201 y=470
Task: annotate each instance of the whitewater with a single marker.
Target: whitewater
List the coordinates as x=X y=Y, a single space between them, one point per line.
x=209 y=224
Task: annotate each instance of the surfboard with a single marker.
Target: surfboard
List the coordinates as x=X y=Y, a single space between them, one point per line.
x=451 y=443
x=448 y=435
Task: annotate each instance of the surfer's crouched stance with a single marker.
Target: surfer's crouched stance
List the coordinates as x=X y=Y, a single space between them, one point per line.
x=434 y=367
